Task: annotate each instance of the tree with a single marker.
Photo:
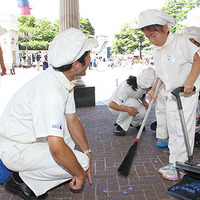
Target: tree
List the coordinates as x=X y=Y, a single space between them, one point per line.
x=129 y=40
x=43 y=31
x=179 y=10
x=86 y=27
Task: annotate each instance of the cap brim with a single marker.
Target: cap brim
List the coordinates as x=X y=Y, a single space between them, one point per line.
x=89 y=45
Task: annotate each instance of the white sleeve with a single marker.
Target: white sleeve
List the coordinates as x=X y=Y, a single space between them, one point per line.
x=70 y=105
x=48 y=114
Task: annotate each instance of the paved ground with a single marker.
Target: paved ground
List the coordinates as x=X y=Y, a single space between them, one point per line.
x=108 y=152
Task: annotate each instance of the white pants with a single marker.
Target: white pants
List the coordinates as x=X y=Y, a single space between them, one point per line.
x=124 y=119
x=36 y=166
x=176 y=138
x=161 y=130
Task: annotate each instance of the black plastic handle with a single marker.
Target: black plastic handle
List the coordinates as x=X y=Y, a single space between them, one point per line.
x=176 y=92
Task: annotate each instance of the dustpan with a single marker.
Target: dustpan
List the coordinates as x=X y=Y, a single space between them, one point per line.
x=186 y=188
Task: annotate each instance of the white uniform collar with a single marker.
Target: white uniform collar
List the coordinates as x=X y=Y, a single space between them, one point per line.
x=170 y=38
x=63 y=80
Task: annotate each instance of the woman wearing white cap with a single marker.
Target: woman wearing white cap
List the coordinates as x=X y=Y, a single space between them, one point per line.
x=128 y=101
x=39 y=127
x=177 y=63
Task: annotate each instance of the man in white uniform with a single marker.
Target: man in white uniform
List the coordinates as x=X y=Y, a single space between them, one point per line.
x=39 y=127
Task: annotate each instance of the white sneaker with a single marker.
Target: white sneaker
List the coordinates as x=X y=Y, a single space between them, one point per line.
x=162 y=170
x=172 y=175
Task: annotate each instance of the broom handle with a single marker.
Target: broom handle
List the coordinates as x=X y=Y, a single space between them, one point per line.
x=147 y=113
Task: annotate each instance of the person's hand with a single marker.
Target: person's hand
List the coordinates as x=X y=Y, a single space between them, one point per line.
x=151 y=96
x=89 y=171
x=77 y=183
x=132 y=111
x=146 y=105
x=188 y=86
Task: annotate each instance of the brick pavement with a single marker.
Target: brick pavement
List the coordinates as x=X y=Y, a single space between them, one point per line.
x=108 y=153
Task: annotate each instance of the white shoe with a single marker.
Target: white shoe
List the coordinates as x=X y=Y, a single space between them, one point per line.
x=172 y=174
x=162 y=170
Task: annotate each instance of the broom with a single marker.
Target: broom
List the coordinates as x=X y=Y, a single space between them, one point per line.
x=125 y=166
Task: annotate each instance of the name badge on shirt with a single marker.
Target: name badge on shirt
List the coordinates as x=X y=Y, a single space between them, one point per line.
x=170 y=59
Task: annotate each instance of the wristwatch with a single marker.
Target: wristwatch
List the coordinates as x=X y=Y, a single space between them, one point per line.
x=87 y=151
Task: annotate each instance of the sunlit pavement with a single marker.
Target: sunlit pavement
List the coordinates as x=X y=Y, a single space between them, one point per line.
x=104 y=79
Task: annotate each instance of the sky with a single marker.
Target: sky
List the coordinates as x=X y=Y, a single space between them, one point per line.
x=106 y=16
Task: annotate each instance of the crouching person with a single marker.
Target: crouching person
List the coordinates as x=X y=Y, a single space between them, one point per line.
x=128 y=101
x=39 y=127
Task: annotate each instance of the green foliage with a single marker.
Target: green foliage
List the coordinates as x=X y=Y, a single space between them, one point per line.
x=129 y=40
x=86 y=27
x=179 y=10
x=39 y=33
x=32 y=45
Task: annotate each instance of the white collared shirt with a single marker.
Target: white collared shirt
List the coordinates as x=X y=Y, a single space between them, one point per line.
x=125 y=91
x=38 y=109
x=173 y=61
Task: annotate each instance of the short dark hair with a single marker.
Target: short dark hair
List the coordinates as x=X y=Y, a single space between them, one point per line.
x=154 y=27
x=132 y=82
x=64 y=68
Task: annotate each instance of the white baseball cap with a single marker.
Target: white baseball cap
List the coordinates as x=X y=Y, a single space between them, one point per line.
x=146 y=78
x=154 y=16
x=68 y=46
x=191 y=32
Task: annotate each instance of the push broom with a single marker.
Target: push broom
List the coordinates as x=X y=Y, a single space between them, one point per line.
x=125 y=166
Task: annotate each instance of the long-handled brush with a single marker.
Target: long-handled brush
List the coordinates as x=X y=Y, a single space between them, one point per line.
x=125 y=166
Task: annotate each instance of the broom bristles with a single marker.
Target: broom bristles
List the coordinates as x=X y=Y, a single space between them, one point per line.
x=125 y=166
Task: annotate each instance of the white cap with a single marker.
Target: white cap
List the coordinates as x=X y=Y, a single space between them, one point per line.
x=68 y=46
x=191 y=32
x=146 y=78
x=154 y=16
x=2 y=30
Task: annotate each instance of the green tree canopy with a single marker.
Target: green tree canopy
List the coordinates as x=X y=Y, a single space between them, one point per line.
x=179 y=10
x=86 y=27
x=129 y=40
x=40 y=32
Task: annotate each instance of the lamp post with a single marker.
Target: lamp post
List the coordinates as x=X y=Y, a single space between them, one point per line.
x=27 y=36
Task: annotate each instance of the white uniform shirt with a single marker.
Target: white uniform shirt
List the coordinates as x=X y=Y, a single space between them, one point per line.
x=173 y=61
x=38 y=109
x=125 y=91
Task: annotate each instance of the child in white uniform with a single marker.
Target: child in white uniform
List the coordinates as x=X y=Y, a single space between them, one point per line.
x=128 y=101
x=193 y=34
x=177 y=63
